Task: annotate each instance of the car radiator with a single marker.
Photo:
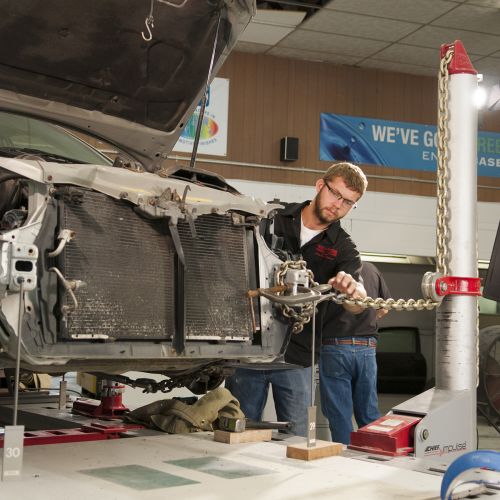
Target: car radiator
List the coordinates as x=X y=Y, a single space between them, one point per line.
x=135 y=286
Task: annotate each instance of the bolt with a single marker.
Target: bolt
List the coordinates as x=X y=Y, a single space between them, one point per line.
x=49 y=177
x=425 y=434
x=443 y=286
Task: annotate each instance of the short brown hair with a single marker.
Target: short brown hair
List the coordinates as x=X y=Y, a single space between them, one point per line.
x=352 y=175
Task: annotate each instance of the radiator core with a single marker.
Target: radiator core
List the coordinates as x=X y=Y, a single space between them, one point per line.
x=130 y=268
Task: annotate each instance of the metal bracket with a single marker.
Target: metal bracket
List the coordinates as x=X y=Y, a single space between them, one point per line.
x=23 y=259
x=436 y=287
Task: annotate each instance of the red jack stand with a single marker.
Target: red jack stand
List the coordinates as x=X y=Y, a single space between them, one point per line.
x=391 y=435
x=110 y=406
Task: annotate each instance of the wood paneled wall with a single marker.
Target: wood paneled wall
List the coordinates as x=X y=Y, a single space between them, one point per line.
x=273 y=97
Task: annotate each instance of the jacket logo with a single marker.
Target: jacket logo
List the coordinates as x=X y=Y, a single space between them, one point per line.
x=325 y=252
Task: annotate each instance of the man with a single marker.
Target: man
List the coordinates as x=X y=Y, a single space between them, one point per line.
x=312 y=230
x=347 y=364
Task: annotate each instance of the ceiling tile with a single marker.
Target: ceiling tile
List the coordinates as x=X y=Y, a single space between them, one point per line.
x=473 y=18
x=268 y=27
x=410 y=55
x=325 y=42
x=474 y=43
x=256 y=48
x=419 y=11
x=489 y=66
x=267 y=34
x=398 y=67
x=313 y=56
x=343 y=23
x=486 y=3
x=279 y=17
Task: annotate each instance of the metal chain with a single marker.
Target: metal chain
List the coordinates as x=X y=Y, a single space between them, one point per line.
x=379 y=303
x=304 y=316
x=442 y=205
x=298 y=318
x=442 y=166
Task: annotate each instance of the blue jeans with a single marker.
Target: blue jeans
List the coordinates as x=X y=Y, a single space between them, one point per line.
x=291 y=394
x=348 y=383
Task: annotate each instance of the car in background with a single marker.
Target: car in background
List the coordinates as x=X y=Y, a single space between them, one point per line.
x=110 y=266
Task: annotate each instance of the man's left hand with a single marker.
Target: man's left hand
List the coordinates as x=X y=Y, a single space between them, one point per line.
x=345 y=283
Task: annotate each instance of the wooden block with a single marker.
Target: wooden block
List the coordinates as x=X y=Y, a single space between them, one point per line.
x=249 y=436
x=321 y=449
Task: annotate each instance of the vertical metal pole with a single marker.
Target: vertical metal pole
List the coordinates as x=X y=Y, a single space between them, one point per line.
x=13 y=445
x=205 y=94
x=18 y=353
x=313 y=347
x=63 y=386
x=311 y=411
x=457 y=317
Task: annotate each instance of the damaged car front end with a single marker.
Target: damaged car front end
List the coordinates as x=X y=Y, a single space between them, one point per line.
x=117 y=266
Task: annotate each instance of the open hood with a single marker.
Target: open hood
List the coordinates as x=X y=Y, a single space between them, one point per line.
x=85 y=64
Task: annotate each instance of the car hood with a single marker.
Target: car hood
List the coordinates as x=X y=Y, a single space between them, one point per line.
x=85 y=64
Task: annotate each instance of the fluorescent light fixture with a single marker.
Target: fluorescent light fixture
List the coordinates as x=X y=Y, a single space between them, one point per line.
x=409 y=259
x=396 y=259
x=269 y=27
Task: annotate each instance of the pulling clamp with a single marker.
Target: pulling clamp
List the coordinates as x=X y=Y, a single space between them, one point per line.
x=436 y=287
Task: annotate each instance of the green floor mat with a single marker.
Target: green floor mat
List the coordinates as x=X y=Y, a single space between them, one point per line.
x=226 y=469
x=138 y=477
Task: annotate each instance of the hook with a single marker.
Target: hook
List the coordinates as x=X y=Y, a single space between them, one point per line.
x=149 y=22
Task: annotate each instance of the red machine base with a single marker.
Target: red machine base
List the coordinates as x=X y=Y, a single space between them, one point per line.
x=95 y=431
x=391 y=435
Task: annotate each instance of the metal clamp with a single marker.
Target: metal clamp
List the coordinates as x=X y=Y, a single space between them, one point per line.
x=436 y=287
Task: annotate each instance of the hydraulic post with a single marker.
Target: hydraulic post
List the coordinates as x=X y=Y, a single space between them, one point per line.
x=445 y=416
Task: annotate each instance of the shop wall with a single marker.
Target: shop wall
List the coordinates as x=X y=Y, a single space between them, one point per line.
x=273 y=97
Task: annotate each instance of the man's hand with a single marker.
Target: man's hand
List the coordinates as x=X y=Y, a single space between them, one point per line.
x=380 y=313
x=345 y=283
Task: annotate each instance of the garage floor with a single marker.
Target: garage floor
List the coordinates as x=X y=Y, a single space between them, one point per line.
x=196 y=467
x=153 y=465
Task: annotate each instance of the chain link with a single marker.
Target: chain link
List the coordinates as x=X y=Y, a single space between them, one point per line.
x=442 y=206
x=304 y=314
x=442 y=166
x=389 y=304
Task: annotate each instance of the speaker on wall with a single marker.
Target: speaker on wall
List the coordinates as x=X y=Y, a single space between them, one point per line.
x=289 y=149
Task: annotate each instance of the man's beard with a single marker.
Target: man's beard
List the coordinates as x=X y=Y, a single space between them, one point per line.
x=320 y=214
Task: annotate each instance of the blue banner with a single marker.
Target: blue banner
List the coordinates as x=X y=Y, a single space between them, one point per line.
x=395 y=144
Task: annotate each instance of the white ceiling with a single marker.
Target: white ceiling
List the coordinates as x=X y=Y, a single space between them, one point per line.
x=394 y=35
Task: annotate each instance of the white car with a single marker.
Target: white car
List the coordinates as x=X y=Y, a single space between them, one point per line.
x=115 y=266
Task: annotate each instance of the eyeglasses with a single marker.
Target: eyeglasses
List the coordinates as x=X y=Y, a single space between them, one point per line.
x=338 y=196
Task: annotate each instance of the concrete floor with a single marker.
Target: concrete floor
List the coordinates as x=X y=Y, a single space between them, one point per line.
x=195 y=467
x=156 y=466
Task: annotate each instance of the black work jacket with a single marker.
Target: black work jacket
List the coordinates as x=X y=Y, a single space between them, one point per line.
x=326 y=254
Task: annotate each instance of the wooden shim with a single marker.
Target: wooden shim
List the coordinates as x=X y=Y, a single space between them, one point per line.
x=321 y=449
x=249 y=436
